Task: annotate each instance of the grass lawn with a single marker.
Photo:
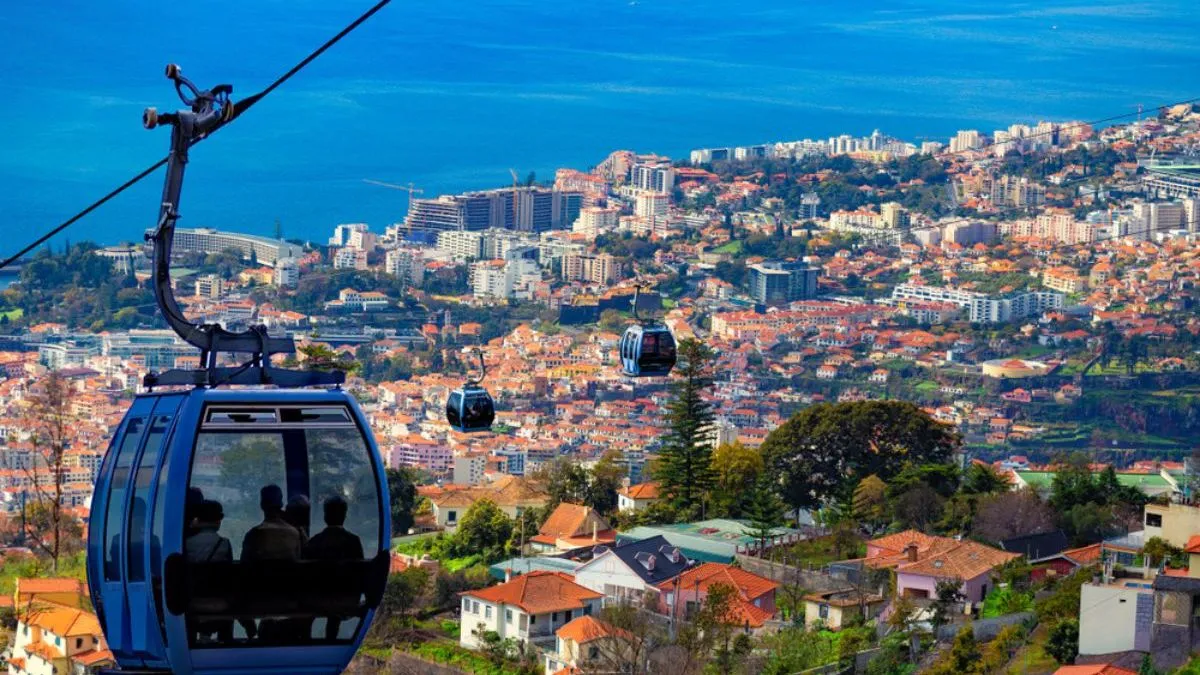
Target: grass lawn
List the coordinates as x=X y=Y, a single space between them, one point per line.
x=13 y=314
x=927 y=386
x=733 y=248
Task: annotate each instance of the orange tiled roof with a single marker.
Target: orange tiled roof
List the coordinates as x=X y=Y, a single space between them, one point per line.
x=1193 y=544
x=899 y=541
x=93 y=657
x=64 y=621
x=642 y=491
x=748 y=585
x=1084 y=555
x=958 y=560
x=584 y=629
x=43 y=650
x=538 y=593
x=571 y=520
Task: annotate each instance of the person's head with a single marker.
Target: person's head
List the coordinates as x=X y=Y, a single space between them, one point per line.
x=271 y=499
x=209 y=513
x=297 y=511
x=335 y=511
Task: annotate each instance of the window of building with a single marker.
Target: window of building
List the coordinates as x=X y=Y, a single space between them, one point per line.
x=593 y=652
x=1153 y=520
x=466 y=605
x=487 y=611
x=452 y=517
x=587 y=609
x=823 y=611
x=78 y=643
x=553 y=617
x=508 y=616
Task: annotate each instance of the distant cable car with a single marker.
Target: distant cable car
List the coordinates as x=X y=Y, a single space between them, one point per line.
x=470 y=407
x=241 y=531
x=648 y=348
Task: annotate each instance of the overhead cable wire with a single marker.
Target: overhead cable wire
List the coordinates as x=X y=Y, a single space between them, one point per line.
x=239 y=107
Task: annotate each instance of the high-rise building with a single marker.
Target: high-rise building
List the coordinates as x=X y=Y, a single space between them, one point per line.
x=462 y=245
x=656 y=176
x=1160 y=216
x=651 y=205
x=809 y=203
x=778 y=283
x=602 y=269
x=984 y=308
x=287 y=273
x=406 y=264
x=468 y=470
x=894 y=216
x=209 y=286
x=594 y=220
x=964 y=140
x=342 y=234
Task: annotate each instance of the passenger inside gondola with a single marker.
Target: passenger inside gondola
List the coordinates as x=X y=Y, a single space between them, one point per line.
x=274 y=538
x=336 y=543
x=207 y=546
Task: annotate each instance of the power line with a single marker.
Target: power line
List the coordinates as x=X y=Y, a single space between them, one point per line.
x=239 y=107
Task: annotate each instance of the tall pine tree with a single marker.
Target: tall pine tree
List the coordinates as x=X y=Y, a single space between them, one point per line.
x=685 y=472
x=765 y=512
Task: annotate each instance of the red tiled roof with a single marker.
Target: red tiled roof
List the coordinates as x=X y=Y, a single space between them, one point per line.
x=641 y=491
x=587 y=628
x=538 y=593
x=748 y=585
x=1094 y=669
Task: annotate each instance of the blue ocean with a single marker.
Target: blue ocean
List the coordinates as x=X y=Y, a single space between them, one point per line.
x=450 y=96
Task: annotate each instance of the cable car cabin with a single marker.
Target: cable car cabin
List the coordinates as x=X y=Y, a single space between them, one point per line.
x=239 y=532
x=647 y=351
x=470 y=409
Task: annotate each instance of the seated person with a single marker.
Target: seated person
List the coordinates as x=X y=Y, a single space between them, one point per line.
x=274 y=538
x=333 y=543
x=202 y=547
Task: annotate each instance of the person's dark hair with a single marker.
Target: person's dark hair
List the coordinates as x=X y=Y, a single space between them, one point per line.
x=271 y=498
x=335 y=511
x=210 y=511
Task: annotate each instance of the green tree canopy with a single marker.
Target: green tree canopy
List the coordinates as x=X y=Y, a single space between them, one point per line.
x=822 y=452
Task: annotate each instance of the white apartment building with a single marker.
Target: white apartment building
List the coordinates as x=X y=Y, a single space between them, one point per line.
x=652 y=205
x=595 y=220
x=350 y=259
x=461 y=244
x=287 y=273
x=983 y=308
x=406 y=264
x=343 y=234
x=469 y=470
x=964 y=140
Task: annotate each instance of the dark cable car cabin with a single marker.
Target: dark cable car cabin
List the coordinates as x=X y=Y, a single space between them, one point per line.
x=239 y=531
x=647 y=349
x=470 y=407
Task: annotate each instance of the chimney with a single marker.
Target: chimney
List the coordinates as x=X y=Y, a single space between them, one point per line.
x=507 y=574
x=910 y=552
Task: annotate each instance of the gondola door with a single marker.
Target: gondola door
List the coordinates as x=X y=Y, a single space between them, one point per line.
x=143 y=537
x=107 y=522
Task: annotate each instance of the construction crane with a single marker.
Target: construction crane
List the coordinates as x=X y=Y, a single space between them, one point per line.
x=516 y=183
x=411 y=189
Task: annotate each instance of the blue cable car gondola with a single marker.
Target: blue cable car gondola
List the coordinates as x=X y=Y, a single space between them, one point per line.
x=235 y=531
x=470 y=407
x=646 y=349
